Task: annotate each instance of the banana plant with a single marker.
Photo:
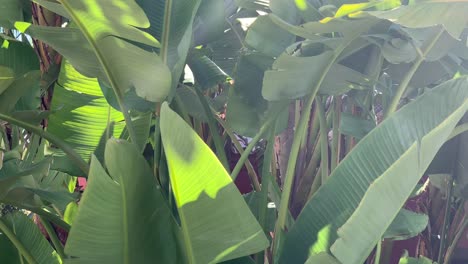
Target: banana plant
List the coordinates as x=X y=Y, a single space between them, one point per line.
x=361 y=96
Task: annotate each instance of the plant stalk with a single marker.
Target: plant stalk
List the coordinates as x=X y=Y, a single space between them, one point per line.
x=17 y=243
x=456 y=239
x=53 y=237
x=249 y=148
x=443 y=235
x=323 y=141
x=335 y=150
x=251 y=171
x=378 y=252
x=263 y=201
x=219 y=144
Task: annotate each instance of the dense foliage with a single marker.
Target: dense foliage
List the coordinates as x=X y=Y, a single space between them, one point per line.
x=345 y=119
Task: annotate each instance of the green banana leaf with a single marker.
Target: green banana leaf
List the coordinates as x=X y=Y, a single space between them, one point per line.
x=207 y=74
x=406 y=225
x=28 y=234
x=217 y=224
x=7 y=76
x=246 y=107
x=20 y=57
x=80 y=111
x=387 y=155
x=123 y=214
x=10 y=11
x=322 y=258
x=177 y=28
x=104 y=34
x=427 y=13
x=267 y=38
x=420 y=260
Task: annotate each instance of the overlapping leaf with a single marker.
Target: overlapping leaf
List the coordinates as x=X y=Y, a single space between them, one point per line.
x=380 y=172
x=81 y=113
x=206 y=197
x=123 y=214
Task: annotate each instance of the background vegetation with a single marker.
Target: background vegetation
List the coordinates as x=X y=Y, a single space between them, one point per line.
x=341 y=122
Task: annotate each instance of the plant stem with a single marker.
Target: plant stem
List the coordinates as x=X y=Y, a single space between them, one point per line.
x=315 y=184
x=323 y=141
x=53 y=237
x=157 y=147
x=51 y=138
x=443 y=235
x=290 y=169
x=405 y=82
x=452 y=247
x=219 y=144
x=263 y=201
x=251 y=171
x=17 y=243
x=250 y=147
x=165 y=32
x=335 y=150
x=378 y=252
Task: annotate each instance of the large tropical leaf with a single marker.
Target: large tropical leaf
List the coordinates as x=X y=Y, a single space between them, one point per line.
x=81 y=113
x=10 y=11
x=30 y=237
x=123 y=213
x=20 y=57
x=427 y=13
x=246 y=106
x=125 y=53
x=396 y=154
x=216 y=222
x=266 y=37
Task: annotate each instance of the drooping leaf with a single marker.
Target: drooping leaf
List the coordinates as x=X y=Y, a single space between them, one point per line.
x=207 y=74
x=428 y=13
x=206 y=196
x=305 y=71
x=355 y=126
x=267 y=38
x=15 y=168
x=406 y=225
x=208 y=24
x=410 y=136
x=246 y=107
x=116 y=210
x=18 y=88
x=178 y=29
x=32 y=239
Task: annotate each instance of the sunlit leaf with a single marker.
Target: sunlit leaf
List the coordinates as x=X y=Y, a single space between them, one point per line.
x=206 y=197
